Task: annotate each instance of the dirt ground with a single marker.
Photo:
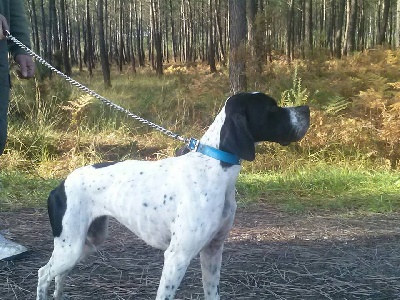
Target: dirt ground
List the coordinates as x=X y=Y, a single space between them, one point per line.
x=269 y=255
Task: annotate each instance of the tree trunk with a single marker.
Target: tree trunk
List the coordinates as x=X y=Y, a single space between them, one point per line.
x=173 y=33
x=237 y=40
x=290 y=32
x=384 y=22
x=131 y=42
x=165 y=37
x=89 y=47
x=331 y=29
x=105 y=67
x=56 y=33
x=211 y=47
x=351 y=27
x=251 y=10
x=44 y=32
x=259 y=47
x=78 y=36
x=339 y=28
x=53 y=33
x=64 y=37
x=397 y=31
x=121 y=36
x=186 y=30
x=271 y=34
x=220 y=30
x=156 y=24
x=308 y=24
x=35 y=28
x=139 y=33
x=361 y=40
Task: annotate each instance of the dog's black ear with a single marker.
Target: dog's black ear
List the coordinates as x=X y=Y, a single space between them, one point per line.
x=236 y=137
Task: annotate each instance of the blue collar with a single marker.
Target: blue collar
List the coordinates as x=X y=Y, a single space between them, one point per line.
x=215 y=153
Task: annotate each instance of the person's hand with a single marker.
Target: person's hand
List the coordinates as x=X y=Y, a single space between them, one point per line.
x=27 y=67
x=3 y=27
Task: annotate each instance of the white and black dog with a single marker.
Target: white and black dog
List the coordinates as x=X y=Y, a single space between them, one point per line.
x=183 y=205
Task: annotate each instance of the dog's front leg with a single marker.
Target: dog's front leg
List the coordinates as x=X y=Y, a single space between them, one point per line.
x=211 y=258
x=211 y=255
x=176 y=262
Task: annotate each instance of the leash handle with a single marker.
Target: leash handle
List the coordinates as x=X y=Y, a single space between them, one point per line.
x=107 y=102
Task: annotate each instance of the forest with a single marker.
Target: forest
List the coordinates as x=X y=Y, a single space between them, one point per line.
x=133 y=33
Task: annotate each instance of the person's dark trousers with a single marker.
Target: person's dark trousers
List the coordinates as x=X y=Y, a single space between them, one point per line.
x=4 y=93
x=4 y=99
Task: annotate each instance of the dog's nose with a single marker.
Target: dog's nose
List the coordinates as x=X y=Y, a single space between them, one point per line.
x=303 y=112
x=303 y=109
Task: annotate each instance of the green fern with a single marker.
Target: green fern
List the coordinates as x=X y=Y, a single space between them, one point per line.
x=336 y=105
x=297 y=95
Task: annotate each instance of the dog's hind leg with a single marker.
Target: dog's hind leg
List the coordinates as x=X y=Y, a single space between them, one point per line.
x=59 y=285
x=96 y=235
x=69 y=248
x=64 y=257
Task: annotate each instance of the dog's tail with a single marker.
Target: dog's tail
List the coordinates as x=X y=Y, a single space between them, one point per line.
x=56 y=207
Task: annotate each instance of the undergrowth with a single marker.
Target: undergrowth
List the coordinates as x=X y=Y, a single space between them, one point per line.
x=322 y=187
x=354 y=133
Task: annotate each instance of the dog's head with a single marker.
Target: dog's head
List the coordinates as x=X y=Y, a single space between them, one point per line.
x=256 y=117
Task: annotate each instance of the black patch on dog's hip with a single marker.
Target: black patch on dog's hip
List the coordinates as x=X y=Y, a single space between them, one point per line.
x=56 y=207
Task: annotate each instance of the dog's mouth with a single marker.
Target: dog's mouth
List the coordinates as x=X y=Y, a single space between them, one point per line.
x=296 y=135
x=284 y=143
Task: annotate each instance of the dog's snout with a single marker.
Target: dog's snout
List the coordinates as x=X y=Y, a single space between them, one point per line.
x=300 y=120
x=302 y=115
x=304 y=110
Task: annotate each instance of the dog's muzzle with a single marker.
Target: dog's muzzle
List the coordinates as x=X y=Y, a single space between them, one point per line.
x=300 y=122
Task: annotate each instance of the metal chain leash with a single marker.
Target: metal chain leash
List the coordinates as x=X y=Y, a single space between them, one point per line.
x=94 y=94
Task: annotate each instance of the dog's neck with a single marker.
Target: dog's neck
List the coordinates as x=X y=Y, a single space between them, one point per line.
x=212 y=136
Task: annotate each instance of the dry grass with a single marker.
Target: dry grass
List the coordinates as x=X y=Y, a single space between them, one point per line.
x=354 y=101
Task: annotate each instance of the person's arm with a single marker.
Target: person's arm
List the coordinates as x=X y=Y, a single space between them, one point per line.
x=19 y=29
x=3 y=27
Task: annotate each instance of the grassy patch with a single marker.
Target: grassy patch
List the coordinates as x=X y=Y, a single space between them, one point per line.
x=324 y=188
x=19 y=190
x=314 y=188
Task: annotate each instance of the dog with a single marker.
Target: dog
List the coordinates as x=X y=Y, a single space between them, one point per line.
x=182 y=205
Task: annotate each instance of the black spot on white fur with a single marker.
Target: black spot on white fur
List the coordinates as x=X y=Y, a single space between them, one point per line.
x=103 y=164
x=56 y=206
